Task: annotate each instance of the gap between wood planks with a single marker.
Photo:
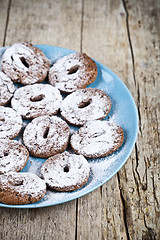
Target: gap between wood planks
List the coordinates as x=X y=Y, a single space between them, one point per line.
x=81 y=47
x=7 y=20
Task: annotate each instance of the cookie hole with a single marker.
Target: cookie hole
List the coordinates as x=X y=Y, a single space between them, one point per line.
x=45 y=134
x=66 y=169
x=73 y=69
x=16 y=182
x=25 y=63
x=84 y=104
x=6 y=154
x=95 y=135
x=37 y=98
x=2 y=120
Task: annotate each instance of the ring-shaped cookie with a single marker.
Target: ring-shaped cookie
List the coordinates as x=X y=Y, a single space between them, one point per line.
x=25 y=63
x=46 y=136
x=36 y=100
x=97 y=139
x=21 y=188
x=85 y=105
x=72 y=72
x=65 y=172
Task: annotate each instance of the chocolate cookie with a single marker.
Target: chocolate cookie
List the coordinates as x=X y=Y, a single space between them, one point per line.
x=73 y=72
x=13 y=156
x=25 y=64
x=97 y=139
x=84 y=105
x=65 y=172
x=46 y=136
x=21 y=188
x=36 y=100
x=10 y=123
x=6 y=89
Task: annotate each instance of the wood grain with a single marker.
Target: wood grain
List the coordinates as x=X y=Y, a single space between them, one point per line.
x=141 y=193
x=124 y=36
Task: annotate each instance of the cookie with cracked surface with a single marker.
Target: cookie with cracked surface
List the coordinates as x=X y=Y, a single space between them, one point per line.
x=6 y=89
x=21 y=188
x=13 y=156
x=97 y=139
x=72 y=72
x=10 y=123
x=85 y=105
x=36 y=100
x=25 y=63
x=46 y=136
x=65 y=172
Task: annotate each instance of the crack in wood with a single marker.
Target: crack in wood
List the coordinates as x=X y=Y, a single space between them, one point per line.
x=135 y=179
x=76 y=224
x=124 y=208
x=150 y=233
x=133 y=63
x=101 y=191
x=154 y=191
x=7 y=21
x=145 y=178
x=129 y=39
x=138 y=108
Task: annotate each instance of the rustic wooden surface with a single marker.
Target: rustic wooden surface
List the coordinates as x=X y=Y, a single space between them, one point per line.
x=125 y=36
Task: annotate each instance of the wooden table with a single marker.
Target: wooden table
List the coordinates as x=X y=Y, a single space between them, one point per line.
x=124 y=36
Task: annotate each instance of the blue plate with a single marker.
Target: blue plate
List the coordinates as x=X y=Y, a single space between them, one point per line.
x=123 y=113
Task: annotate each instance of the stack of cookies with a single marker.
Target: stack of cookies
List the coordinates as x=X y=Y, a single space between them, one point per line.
x=50 y=108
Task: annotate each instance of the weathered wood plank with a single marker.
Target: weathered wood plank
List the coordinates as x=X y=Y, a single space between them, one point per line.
x=105 y=39
x=4 y=6
x=55 y=23
x=57 y=222
x=140 y=180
